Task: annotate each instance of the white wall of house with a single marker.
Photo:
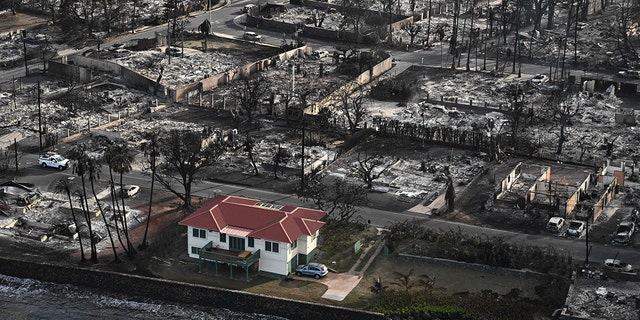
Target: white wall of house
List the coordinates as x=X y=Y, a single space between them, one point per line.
x=274 y=262
x=196 y=241
x=270 y=261
x=306 y=244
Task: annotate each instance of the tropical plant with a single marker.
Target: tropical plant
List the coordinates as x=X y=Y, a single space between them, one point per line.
x=63 y=185
x=78 y=155
x=151 y=150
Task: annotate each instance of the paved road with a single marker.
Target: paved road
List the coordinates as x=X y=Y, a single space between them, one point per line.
x=43 y=177
x=221 y=21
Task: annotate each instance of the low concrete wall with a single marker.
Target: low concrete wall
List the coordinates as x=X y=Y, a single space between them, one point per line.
x=364 y=78
x=76 y=73
x=180 y=292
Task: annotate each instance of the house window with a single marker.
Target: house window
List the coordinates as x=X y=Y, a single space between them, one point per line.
x=223 y=237
x=250 y=242
x=294 y=244
x=315 y=235
x=199 y=233
x=195 y=250
x=271 y=246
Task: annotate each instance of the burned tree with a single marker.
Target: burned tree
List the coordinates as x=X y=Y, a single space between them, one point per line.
x=412 y=30
x=339 y=198
x=249 y=93
x=249 y=145
x=281 y=155
x=352 y=107
x=563 y=108
x=205 y=28
x=184 y=154
x=370 y=167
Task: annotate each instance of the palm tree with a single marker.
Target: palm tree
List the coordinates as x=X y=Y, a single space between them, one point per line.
x=79 y=155
x=378 y=287
x=63 y=185
x=120 y=161
x=93 y=173
x=151 y=151
x=109 y=155
x=404 y=280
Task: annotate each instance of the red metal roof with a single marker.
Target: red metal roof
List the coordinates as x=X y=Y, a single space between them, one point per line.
x=275 y=223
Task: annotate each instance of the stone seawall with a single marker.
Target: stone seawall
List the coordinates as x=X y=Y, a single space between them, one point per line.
x=180 y=292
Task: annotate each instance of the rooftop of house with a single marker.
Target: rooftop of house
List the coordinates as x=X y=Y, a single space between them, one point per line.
x=246 y=217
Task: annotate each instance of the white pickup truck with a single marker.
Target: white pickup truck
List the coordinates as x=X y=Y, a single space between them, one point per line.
x=53 y=160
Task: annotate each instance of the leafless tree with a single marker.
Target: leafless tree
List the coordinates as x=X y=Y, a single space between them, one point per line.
x=279 y=157
x=339 y=198
x=249 y=145
x=249 y=93
x=352 y=106
x=587 y=143
x=624 y=19
x=353 y=13
x=563 y=107
x=184 y=154
x=412 y=30
x=370 y=167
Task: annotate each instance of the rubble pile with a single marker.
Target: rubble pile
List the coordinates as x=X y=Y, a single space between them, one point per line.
x=599 y=300
x=66 y=110
x=180 y=71
x=415 y=176
x=311 y=16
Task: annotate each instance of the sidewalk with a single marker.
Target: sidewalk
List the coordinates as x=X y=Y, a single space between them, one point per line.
x=341 y=284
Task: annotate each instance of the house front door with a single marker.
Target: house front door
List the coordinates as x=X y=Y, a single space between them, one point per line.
x=236 y=244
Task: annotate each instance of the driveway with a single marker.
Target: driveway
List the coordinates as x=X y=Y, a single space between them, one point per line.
x=339 y=285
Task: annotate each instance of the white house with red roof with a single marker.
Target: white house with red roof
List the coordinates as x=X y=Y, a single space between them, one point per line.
x=248 y=233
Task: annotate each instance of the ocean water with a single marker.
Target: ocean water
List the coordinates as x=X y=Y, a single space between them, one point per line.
x=32 y=299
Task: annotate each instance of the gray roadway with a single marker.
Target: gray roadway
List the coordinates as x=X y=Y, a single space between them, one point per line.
x=221 y=20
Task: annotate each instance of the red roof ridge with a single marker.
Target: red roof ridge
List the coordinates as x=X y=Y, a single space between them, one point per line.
x=279 y=223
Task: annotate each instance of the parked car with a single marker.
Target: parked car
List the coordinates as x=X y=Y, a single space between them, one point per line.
x=629 y=74
x=539 y=79
x=316 y=270
x=53 y=160
x=555 y=224
x=319 y=54
x=575 y=228
x=251 y=36
x=129 y=191
x=617 y=265
x=624 y=231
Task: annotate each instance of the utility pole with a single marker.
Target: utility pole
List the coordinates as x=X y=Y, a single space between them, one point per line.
x=586 y=259
x=24 y=44
x=39 y=119
x=15 y=151
x=302 y=169
x=169 y=40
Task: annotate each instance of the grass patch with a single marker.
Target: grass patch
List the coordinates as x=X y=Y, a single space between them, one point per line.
x=372 y=249
x=292 y=289
x=337 y=245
